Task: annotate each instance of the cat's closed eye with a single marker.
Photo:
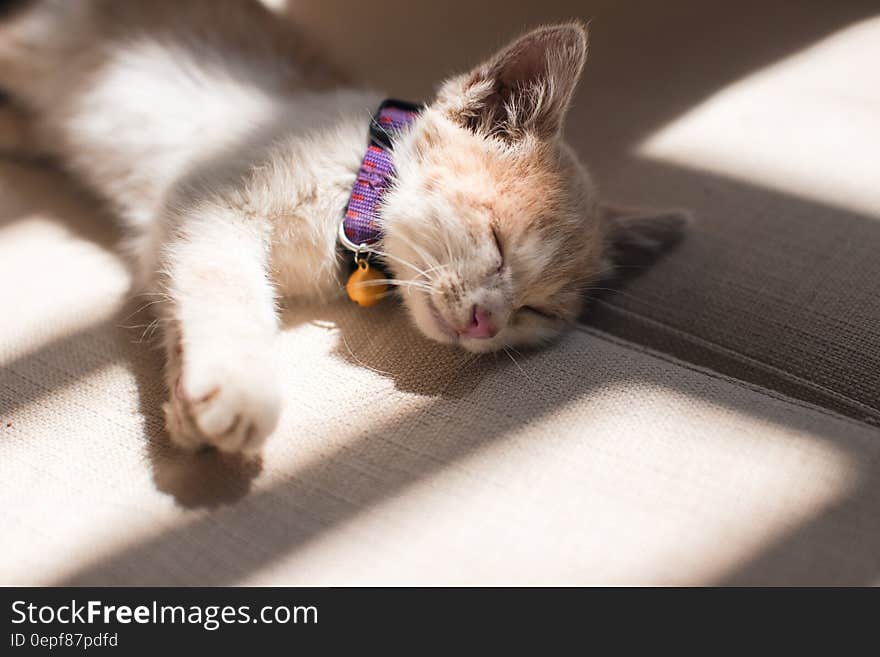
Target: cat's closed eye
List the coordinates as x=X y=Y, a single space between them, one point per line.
x=500 y=250
x=538 y=312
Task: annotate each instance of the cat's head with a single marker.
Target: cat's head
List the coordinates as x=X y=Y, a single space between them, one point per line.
x=492 y=226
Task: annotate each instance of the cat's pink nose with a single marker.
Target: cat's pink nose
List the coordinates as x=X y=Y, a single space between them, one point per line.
x=480 y=327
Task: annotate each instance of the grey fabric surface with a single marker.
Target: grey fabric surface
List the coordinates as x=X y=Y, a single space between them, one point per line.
x=779 y=280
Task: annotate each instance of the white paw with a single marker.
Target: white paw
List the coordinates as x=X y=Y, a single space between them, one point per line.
x=233 y=406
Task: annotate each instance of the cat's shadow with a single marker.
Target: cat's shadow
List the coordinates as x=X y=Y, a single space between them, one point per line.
x=194 y=479
x=384 y=340
x=381 y=339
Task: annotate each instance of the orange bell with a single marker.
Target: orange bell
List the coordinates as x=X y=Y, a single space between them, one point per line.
x=360 y=287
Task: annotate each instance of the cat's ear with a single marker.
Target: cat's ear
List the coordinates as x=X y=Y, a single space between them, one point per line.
x=524 y=88
x=638 y=237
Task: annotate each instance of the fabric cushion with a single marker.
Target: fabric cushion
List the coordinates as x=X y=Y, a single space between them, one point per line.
x=398 y=461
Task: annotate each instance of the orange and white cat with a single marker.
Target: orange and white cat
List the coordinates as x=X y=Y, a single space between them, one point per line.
x=229 y=153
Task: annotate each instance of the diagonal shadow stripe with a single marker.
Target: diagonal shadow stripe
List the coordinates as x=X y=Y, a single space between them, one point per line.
x=233 y=542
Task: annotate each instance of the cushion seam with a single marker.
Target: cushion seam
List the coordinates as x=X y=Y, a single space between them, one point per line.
x=871 y=411
x=766 y=392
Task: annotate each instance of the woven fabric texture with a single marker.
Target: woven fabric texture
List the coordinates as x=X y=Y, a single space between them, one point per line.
x=397 y=460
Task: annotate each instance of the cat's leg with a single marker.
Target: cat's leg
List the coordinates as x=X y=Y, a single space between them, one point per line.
x=220 y=323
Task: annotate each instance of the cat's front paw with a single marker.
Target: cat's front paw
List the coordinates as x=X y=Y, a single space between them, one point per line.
x=233 y=408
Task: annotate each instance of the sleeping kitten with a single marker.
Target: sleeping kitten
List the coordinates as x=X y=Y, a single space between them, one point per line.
x=230 y=153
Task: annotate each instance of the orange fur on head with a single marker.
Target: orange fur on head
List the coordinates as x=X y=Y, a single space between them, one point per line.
x=491 y=210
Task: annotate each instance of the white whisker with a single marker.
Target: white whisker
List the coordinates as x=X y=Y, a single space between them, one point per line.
x=624 y=294
x=518 y=366
x=358 y=360
x=394 y=282
x=144 y=307
x=151 y=294
x=436 y=268
x=150 y=327
x=428 y=258
x=400 y=260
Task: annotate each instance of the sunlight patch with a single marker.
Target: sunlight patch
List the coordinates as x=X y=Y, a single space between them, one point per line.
x=808 y=125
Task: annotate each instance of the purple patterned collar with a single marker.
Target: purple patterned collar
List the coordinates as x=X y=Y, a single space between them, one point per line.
x=360 y=229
